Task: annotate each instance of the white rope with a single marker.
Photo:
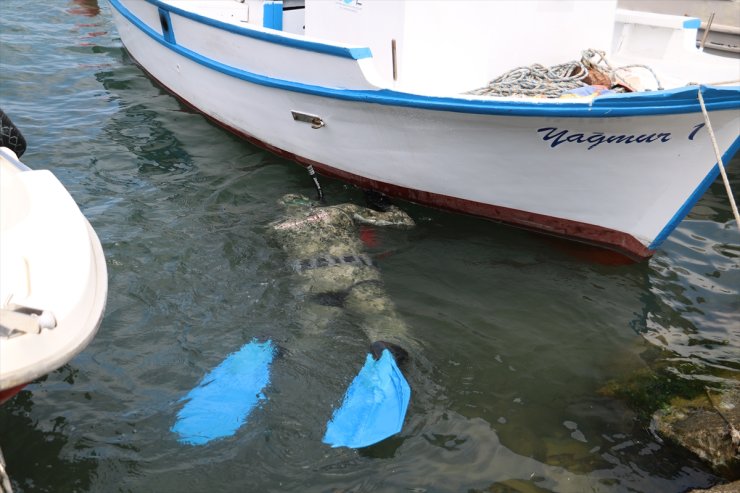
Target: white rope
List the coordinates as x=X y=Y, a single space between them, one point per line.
x=722 y=83
x=719 y=160
x=536 y=80
x=4 y=479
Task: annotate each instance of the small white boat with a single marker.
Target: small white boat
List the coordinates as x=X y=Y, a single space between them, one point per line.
x=53 y=277
x=383 y=95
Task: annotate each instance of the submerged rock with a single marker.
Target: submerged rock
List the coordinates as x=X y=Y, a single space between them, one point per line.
x=708 y=426
x=733 y=487
x=684 y=411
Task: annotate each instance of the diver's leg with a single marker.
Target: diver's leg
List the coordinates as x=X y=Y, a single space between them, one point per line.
x=317 y=310
x=375 y=404
x=369 y=301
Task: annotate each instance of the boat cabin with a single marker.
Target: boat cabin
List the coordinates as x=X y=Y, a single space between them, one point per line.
x=453 y=47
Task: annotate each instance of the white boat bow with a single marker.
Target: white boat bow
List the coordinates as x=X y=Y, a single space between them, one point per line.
x=53 y=275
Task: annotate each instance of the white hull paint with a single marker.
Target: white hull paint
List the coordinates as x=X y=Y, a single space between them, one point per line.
x=620 y=171
x=54 y=281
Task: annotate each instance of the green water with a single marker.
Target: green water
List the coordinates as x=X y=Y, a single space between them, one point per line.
x=518 y=333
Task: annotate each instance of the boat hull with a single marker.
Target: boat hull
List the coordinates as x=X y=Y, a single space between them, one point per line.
x=53 y=292
x=7 y=394
x=621 y=175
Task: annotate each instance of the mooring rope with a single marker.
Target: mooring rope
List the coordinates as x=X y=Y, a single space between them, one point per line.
x=719 y=159
x=553 y=82
x=721 y=83
x=4 y=479
x=733 y=432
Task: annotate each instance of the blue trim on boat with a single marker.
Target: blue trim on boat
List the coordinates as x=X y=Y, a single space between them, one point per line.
x=272 y=15
x=327 y=49
x=684 y=210
x=673 y=101
x=692 y=23
x=166 y=22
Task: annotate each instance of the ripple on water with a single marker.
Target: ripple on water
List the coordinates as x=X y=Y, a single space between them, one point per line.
x=696 y=289
x=517 y=333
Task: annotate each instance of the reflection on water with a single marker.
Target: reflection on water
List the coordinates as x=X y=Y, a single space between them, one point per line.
x=51 y=461
x=697 y=287
x=86 y=8
x=520 y=334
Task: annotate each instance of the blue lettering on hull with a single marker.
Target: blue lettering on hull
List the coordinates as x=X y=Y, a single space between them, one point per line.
x=556 y=137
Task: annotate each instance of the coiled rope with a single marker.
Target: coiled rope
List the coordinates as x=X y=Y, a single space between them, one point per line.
x=536 y=80
x=554 y=81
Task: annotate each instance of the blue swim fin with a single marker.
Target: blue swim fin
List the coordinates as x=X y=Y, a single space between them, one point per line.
x=223 y=399
x=374 y=406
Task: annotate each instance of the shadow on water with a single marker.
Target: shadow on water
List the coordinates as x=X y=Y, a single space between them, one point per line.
x=140 y=127
x=85 y=8
x=39 y=453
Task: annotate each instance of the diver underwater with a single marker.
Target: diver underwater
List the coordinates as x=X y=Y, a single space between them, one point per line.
x=335 y=276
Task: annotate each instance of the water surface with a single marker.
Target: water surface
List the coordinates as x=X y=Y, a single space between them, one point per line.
x=519 y=334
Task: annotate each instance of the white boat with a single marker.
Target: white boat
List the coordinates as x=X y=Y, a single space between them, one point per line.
x=53 y=277
x=379 y=94
x=720 y=27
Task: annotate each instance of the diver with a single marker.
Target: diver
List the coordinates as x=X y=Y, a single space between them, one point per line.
x=334 y=276
x=327 y=254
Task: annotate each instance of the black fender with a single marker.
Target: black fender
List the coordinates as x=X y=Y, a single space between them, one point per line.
x=10 y=136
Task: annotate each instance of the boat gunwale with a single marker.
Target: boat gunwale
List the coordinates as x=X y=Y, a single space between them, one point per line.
x=680 y=100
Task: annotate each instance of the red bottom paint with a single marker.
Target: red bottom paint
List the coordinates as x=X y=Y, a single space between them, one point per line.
x=7 y=394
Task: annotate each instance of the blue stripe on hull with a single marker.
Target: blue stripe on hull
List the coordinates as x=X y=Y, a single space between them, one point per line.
x=694 y=197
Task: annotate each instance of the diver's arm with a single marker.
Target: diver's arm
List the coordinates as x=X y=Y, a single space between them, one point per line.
x=393 y=217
